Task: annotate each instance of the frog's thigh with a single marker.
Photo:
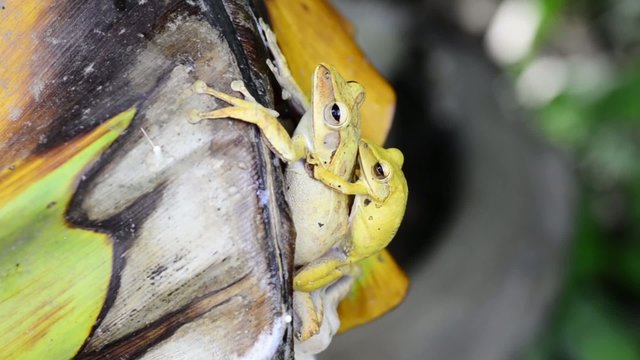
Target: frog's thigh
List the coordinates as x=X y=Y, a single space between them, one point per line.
x=365 y=242
x=326 y=280
x=319 y=273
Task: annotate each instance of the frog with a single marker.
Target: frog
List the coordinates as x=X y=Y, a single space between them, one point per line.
x=380 y=199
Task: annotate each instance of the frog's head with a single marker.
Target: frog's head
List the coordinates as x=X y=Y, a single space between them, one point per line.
x=336 y=112
x=382 y=171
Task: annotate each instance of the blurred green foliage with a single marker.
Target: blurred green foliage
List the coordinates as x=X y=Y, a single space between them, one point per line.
x=598 y=316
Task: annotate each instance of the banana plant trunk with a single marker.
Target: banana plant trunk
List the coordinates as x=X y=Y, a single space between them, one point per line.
x=125 y=230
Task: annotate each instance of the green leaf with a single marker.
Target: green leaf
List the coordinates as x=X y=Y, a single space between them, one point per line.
x=53 y=277
x=594 y=331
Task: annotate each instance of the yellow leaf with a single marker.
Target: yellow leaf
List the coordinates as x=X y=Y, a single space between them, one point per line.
x=21 y=24
x=381 y=287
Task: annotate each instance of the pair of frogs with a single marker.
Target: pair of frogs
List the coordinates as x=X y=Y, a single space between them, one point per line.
x=329 y=166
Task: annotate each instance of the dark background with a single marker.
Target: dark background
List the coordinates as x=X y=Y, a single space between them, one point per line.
x=520 y=123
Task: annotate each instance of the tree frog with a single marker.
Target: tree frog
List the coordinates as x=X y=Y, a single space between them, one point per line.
x=378 y=208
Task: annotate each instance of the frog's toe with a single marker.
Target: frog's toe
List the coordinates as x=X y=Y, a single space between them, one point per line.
x=239 y=86
x=308 y=329
x=308 y=315
x=194 y=116
x=200 y=87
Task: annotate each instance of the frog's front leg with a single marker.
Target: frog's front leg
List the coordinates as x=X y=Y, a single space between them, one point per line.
x=288 y=149
x=336 y=182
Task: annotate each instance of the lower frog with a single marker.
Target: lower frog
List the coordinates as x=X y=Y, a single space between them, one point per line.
x=378 y=208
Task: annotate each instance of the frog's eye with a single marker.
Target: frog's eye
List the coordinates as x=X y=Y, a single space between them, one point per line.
x=336 y=115
x=380 y=171
x=335 y=112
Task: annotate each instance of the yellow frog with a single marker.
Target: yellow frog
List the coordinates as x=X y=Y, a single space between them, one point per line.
x=378 y=208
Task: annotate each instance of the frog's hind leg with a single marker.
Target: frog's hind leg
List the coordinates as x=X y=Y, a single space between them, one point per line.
x=320 y=272
x=308 y=310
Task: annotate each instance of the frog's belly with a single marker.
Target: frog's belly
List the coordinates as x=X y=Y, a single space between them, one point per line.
x=320 y=214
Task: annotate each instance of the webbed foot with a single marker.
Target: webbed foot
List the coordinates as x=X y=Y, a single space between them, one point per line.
x=308 y=313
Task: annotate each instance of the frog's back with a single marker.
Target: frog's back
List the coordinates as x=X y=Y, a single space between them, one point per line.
x=320 y=214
